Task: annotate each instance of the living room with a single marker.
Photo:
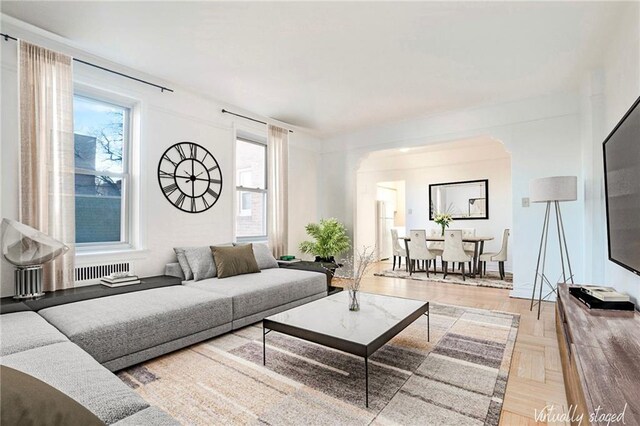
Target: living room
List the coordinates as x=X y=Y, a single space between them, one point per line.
x=295 y=112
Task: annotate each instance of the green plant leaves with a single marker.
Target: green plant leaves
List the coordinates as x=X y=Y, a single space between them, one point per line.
x=330 y=238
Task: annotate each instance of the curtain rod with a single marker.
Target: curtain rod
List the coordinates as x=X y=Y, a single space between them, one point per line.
x=163 y=89
x=224 y=111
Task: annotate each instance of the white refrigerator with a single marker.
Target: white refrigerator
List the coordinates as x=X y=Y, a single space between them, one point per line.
x=385 y=217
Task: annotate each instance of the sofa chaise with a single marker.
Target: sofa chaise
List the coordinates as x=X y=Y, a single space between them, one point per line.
x=31 y=345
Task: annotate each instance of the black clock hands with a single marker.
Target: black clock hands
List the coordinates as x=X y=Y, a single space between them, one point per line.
x=193 y=183
x=192 y=177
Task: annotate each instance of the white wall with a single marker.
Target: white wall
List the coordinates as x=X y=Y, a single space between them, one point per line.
x=488 y=160
x=541 y=134
x=607 y=93
x=166 y=118
x=304 y=175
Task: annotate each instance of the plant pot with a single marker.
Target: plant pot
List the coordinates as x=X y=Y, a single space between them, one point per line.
x=329 y=259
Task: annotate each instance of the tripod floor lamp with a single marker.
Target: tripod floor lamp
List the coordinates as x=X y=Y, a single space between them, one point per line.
x=553 y=191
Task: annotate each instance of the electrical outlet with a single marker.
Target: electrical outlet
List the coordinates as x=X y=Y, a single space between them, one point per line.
x=525 y=202
x=410 y=211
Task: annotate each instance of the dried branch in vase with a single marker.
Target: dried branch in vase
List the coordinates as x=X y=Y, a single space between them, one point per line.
x=355 y=267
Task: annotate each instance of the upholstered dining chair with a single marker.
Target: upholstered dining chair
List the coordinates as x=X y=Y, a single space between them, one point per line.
x=398 y=250
x=418 y=251
x=469 y=248
x=436 y=247
x=454 y=252
x=499 y=257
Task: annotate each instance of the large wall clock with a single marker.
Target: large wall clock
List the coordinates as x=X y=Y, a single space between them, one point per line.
x=190 y=177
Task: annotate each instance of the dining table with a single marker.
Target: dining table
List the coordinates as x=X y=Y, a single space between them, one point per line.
x=478 y=248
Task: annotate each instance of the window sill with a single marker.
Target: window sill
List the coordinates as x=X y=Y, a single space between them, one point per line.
x=246 y=240
x=88 y=255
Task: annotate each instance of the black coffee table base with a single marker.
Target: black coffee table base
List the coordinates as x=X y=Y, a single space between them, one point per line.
x=343 y=345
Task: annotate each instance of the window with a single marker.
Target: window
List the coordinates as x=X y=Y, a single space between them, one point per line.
x=244 y=198
x=101 y=141
x=251 y=190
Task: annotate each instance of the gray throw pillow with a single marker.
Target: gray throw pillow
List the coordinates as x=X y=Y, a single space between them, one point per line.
x=201 y=262
x=184 y=264
x=263 y=255
x=231 y=261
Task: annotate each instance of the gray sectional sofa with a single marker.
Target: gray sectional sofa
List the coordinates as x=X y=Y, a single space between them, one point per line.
x=75 y=346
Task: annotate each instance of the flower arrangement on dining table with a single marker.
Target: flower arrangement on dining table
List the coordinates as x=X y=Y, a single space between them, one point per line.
x=443 y=219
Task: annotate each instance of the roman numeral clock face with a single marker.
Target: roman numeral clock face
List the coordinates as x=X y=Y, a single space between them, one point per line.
x=190 y=177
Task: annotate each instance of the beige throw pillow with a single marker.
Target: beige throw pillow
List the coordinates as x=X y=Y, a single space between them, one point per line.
x=231 y=261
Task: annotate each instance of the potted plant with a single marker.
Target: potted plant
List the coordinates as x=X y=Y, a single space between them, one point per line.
x=329 y=240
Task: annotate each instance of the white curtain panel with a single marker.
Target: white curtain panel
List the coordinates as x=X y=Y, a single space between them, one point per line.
x=47 y=154
x=278 y=148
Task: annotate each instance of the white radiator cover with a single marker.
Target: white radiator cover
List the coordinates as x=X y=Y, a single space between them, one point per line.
x=91 y=274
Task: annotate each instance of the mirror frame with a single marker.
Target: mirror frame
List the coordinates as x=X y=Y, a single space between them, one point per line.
x=486 y=183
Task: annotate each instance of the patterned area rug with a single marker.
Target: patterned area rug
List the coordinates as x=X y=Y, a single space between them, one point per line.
x=491 y=279
x=457 y=378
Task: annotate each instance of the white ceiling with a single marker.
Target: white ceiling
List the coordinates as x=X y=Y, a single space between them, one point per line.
x=338 y=66
x=481 y=142
x=445 y=154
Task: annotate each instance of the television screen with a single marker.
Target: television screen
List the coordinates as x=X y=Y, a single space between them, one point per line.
x=622 y=186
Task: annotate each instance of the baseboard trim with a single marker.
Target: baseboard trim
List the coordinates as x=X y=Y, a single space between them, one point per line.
x=525 y=293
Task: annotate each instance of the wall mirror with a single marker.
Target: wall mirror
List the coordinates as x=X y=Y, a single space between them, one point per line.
x=463 y=200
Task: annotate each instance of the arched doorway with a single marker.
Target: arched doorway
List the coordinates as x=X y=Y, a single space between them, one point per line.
x=408 y=172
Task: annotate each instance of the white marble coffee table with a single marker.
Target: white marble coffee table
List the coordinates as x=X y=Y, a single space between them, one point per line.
x=329 y=322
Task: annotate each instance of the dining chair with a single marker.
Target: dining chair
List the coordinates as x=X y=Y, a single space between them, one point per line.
x=398 y=250
x=436 y=247
x=454 y=252
x=499 y=257
x=418 y=251
x=469 y=248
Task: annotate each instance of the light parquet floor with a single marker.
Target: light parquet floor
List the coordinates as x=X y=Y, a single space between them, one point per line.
x=535 y=379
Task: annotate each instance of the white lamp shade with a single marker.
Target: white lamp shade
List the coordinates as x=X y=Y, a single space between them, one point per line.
x=25 y=246
x=555 y=188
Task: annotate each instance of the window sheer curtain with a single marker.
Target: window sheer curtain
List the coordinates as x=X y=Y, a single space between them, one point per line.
x=277 y=191
x=47 y=153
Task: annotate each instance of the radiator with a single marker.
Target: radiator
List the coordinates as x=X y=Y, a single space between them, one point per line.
x=91 y=274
